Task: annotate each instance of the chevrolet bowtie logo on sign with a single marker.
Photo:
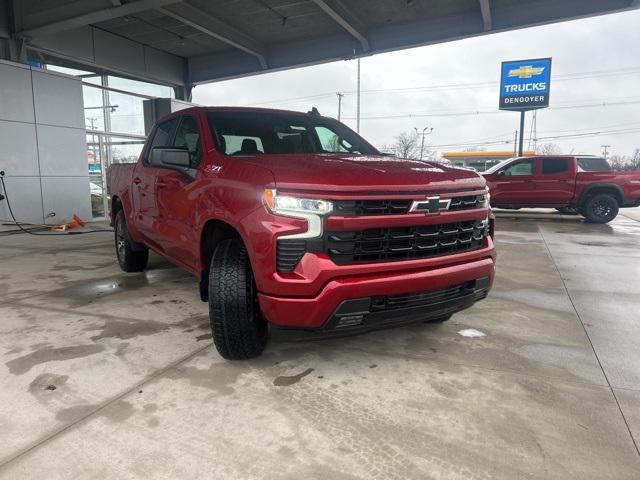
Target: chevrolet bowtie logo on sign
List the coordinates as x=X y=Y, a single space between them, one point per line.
x=526 y=72
x=525 y=84
x=430 y=205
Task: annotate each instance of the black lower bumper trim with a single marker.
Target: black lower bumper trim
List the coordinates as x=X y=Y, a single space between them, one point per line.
x=362 y=315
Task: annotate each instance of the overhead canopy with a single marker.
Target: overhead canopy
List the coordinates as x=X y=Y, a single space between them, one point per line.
x=181 y=43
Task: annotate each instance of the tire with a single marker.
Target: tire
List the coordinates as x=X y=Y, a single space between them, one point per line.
x=568 y=211
x=439 y=319
x=600 y=208
x=238 y=328
x=132 y=256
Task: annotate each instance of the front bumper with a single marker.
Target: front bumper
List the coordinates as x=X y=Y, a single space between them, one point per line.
x=364 y=315
x=317 y=312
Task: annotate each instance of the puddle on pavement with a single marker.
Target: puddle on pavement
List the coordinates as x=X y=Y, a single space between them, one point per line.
x=21 y=365
x=288 y=380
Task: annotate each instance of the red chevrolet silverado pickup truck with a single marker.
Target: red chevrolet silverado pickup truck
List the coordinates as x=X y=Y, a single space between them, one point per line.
x=297 y=227
x=571 y=184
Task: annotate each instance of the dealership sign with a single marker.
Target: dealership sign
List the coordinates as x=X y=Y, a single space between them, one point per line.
x=525 y=84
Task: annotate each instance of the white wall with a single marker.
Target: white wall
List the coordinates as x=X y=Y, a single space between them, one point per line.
x=43 y=147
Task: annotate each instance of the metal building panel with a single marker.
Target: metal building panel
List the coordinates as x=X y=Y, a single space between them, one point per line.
x=26 y=201
x=58 y=99
x=19 y=152
x=16 y=101
x=63 y=151
x=66 y=196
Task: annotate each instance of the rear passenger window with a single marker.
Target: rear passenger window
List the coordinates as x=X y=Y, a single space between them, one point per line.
x=162 y=136
x=554 y=165
x=188 y=136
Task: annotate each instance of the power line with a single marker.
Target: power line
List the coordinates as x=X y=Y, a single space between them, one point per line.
x=453 y=86
x=602 y=103
x=551 y=137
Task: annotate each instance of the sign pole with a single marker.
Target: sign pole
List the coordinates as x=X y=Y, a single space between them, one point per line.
x=521 y=144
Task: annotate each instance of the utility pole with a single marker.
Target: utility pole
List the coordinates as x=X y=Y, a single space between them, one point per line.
x=358 y=102
x=340 y=95
x=605 y=151
x=423 y=134
x=515 y=144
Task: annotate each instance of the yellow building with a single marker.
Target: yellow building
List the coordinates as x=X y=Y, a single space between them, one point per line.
x=481 y=161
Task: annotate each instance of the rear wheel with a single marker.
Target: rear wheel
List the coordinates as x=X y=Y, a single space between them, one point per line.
x=239 y=330
x=132 y=256
x=601 y=208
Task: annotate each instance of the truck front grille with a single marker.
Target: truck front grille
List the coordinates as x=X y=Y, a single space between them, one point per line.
x=397 y=207
x=405 y=243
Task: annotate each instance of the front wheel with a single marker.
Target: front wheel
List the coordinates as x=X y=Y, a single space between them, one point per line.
x=132 y=257
x=600 y=208
x=239 y=330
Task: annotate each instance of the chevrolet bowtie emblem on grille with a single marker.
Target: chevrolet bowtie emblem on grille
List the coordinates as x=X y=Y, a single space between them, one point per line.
x=430 y=205
x=526 y=71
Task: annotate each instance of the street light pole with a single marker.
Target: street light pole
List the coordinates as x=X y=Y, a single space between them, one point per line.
x=423 y=134
x=340 y=95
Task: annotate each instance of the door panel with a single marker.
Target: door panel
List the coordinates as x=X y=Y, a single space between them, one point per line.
x=175 y=221
x=143 y=188
x=515 y=185
x=556 y=181
x=175 y=208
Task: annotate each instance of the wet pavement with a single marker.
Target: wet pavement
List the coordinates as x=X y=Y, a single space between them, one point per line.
x=113 y=375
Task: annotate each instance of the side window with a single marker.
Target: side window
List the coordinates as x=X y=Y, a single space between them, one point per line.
x=554 y=165
x=188 y=136
x=520 y=169
x=329 y=141
x=162 y=136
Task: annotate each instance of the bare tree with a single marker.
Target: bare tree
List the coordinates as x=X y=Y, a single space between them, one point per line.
x=624 y=162
x=549 y=149
x=405 y=145
x=618 y=162
x=634 y=161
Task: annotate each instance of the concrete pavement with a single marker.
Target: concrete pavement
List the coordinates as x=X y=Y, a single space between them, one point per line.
x=113 y=375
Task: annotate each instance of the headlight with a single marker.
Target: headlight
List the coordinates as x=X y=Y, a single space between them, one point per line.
x=486 y=203
x=291 y=205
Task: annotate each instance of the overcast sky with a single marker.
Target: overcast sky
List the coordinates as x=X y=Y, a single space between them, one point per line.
x=595 y=61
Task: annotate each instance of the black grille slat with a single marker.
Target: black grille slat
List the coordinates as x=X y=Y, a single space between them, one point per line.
x=405 y=243
x=371 y=207
x=289 y=253
x=417 y=299
x=466 y=203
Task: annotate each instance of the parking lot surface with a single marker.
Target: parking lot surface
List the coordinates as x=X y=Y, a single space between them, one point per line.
x=113 y=375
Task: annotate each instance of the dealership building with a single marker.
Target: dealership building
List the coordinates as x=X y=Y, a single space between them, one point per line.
x=481 y=161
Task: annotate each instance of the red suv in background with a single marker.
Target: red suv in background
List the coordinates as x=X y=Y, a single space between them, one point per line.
x=571 y=184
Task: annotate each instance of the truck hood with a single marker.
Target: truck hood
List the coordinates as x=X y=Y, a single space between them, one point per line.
x=353 y=173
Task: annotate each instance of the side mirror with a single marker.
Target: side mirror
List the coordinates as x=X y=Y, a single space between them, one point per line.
x=170 y=157
x=502 y=173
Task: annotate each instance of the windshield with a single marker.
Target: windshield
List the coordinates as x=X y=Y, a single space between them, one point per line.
x=497 y=167
x=256 y=133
